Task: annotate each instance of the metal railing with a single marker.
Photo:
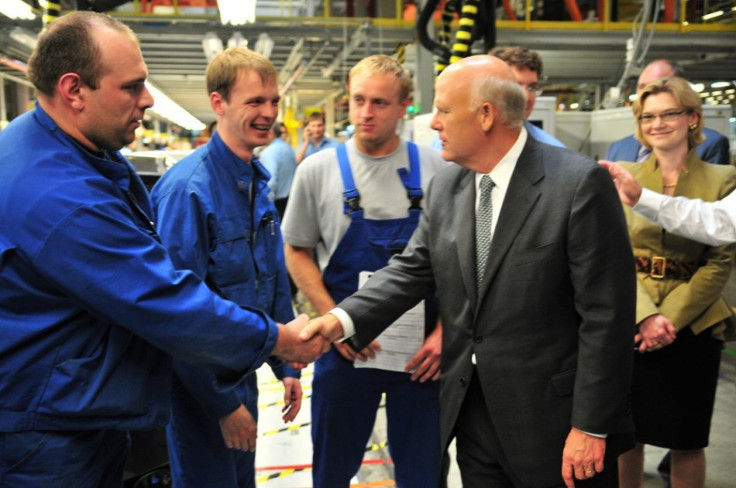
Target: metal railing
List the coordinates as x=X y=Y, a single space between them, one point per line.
x=683 y=16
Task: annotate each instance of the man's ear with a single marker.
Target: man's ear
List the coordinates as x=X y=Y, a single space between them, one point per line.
x=70 y=87
x=486 y=116
x=217 y=103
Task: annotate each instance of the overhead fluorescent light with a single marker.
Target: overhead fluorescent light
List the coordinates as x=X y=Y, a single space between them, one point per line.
x=237 y=12
x=264 y=45
x=168 y=109
x=713 y=15
x=211 y=45
x=698 y=87
x=237 y=40
x=16 y=9
x=720 y=84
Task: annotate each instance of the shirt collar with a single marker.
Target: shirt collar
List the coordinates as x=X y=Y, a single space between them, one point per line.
x=111 y=164
x=501 y=173
x=230 y=162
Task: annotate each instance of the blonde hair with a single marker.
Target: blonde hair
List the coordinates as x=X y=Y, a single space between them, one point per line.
x=382 y=64
x=684 y=95
x=223 y=70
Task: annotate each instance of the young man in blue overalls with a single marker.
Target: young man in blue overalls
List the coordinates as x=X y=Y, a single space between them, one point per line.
x=356 y=206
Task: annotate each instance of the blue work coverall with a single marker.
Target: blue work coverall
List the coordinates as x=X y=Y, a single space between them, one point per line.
x=91 y=308
x=215 y=216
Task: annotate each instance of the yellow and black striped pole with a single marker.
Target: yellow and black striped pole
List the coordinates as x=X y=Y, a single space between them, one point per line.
x=444 y=35
x=401 y=52
x=464 y=34
x=51 y=12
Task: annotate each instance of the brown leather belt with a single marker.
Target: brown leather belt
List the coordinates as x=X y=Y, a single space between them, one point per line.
x=659 y=268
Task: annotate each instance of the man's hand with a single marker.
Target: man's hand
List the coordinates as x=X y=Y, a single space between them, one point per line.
x=307 y=134
x=328 y=327
x=425 y=364
x=582 y=457
x=629 y=190
x=295 y=350
x=292 y=398
x=655 y=332
x=347 y=351
x=239 y=430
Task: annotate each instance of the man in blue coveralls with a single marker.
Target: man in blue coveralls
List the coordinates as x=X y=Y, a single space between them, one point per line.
x=357 y=205
x=91 y=306
x=278 y=158
x=216 y=218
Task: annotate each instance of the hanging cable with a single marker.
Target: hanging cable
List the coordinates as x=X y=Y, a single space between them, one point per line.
x=477 y=21
x=645 y=49
x=425 y=17
x=445 y=35
x=635 y=44
x=401 y=52
x=51 y=12
x=464 y=34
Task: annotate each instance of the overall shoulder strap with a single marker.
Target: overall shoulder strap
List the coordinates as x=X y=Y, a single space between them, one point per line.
x=412 y=179
x=351 y=201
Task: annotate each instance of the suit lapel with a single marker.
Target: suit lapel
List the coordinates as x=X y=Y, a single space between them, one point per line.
x=520 y=198
x=650 y=176
x=465 y=200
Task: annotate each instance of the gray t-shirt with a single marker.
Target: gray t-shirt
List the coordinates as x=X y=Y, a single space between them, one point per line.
x=314 y=216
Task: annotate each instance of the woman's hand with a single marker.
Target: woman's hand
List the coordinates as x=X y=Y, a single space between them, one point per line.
x=655 y=332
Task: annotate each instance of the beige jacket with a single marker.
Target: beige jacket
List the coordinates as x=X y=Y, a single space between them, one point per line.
x=697 y=302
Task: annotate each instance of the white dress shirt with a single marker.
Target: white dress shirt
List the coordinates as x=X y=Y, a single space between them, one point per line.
x=712 y=223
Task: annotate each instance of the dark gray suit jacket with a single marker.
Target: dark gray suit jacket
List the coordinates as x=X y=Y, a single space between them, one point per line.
x=553 y=327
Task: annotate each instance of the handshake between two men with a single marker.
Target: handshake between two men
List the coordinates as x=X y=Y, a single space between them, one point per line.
x=302 y=341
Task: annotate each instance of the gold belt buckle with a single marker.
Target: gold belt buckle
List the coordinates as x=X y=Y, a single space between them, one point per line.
x=658 y=267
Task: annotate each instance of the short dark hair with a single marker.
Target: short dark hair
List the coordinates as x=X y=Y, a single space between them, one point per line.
x=68 y=46
x=519 y=57
x=315 y=116
x=278 y=129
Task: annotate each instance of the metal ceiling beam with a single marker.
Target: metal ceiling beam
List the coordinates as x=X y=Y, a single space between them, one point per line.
x=292 y=61
x=358 y=38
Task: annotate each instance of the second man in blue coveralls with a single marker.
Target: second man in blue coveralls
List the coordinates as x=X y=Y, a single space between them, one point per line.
x=384 y=177
x=216 y=218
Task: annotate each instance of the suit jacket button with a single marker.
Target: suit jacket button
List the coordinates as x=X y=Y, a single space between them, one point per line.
x=463 y=382
x=478 y=339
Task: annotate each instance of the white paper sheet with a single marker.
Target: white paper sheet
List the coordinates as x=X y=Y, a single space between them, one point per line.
x=400 y=341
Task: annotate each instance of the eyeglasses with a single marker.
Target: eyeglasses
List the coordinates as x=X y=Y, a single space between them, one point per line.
x=669 y=116
x=535 y=89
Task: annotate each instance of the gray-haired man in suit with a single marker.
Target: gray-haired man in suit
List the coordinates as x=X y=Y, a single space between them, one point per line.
x=536 y=349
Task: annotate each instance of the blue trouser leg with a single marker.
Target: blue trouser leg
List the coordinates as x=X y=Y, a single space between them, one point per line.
x=344 y=404
x=413 y=418
x=82 y=459
x=343 y=414
x=197 y=451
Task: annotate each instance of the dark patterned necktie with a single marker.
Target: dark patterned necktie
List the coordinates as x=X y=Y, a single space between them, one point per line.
x=483 y=220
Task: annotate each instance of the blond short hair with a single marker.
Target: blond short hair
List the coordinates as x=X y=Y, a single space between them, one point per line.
x=224 y=69
x=383 y=64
